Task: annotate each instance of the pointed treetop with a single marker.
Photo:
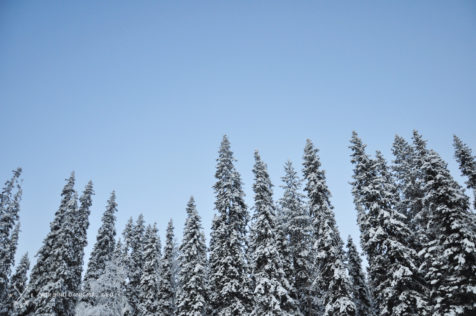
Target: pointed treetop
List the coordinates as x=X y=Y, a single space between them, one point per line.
x=357 y=144
x=190 y=205
x=419 y=142
x=289 y=172
x=170 y=226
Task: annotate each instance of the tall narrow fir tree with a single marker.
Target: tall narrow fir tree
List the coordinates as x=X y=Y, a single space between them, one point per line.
x=271 y=296
x=298 y=230
x=10 y=197
x=330 y=277
x=51 y=277
x=149 y=283
x=167 y=280
x=228 y=278
x=192 y=296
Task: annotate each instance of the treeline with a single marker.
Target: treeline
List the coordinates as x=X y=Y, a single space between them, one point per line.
x=418 y=233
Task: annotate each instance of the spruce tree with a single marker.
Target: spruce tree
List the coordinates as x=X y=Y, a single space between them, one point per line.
x=296 y=224
x=10 y=197
x=52 y=277
x=216 y=253
x=149 y=285
x=127 y=234
x=135 y=263
x=228 y=277
x=284 y=248
x=467 y=164
x=6 y=303
x=331 y=275
x=407 y=171
x=80 y=235
x=420 y=214
x=360 y=288
x=397 y=286
x=450 y=258
x=105 y=242
x=10 y=260
x=271 y=296
x=192 y=297
x=167 y=282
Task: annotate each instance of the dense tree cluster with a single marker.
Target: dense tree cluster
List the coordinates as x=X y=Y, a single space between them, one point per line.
x=417 y=231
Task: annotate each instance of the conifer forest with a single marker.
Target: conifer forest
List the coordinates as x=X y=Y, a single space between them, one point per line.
x=283 y=255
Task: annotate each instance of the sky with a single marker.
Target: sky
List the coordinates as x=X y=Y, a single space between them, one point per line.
x=137 y=95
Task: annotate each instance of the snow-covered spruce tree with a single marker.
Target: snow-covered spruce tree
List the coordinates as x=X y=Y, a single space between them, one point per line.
x=127 y=234
x=7 y=300
x=389 y=181
x=407 y=171
x=13 y=245
x=80 y=241
x=167 y=281
x=149 y=286
x=228 y=276
x=284 y=249
x=192 y=296
x=216 y=252
x=108 y=289
x=360 y=288
x=420 y=213
x=10 y=197
x=103 y=248
x=135 y=263
x=408 y=179
x=450 y=258
x=467 y=164
x=52 y=277
x=18 y=282
x=397 y=286
x=270 y=295
x=159 y=266
x=296 y=225
x=331 y=274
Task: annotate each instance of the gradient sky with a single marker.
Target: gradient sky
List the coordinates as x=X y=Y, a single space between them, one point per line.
x=136 y=95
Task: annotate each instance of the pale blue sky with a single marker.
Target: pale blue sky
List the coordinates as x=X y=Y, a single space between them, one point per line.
x=136 y=95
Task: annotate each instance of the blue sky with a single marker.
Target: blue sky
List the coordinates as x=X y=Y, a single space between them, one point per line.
x=137 y=95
